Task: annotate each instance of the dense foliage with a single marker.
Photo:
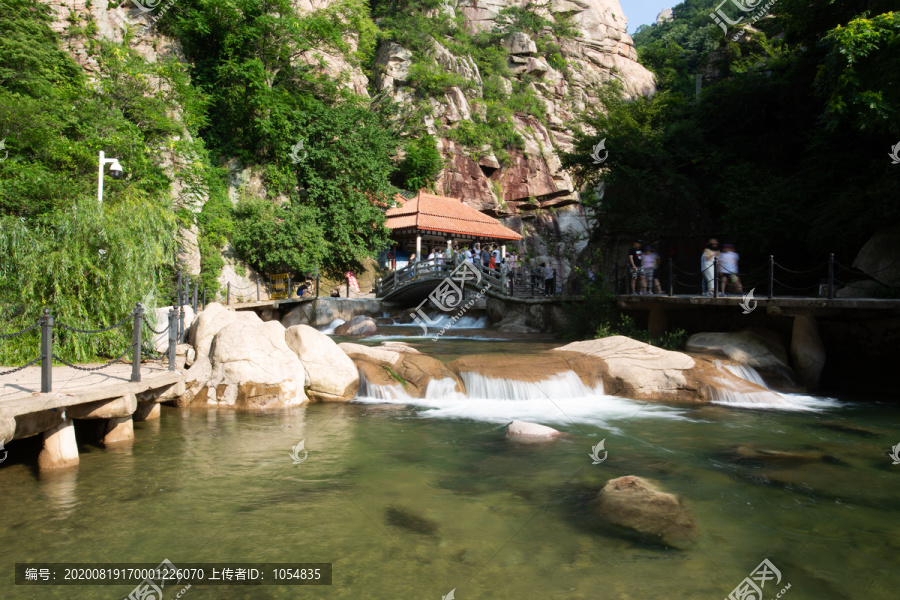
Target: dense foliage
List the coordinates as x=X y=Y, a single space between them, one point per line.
x=89 y=264
x=785 y=150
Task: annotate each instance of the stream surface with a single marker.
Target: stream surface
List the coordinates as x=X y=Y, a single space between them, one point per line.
x=411 y=501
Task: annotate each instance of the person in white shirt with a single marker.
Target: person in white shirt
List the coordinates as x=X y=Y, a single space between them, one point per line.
x=469 y=255
x=649 y=263
x=549 y=280
x=728 y=266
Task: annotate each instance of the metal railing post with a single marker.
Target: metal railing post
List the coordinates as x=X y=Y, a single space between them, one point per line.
x=317 y=283
x=178 y=290
x=204 y=298
x=671 y=277
x=173 y=336
x=290 y=288
x=196 y=289
x=228 y=296
x=46 y=351
x=186 y=292
x=716 y=277
x=180 y=324
x=257 y=289
x=771 y=276
x=831 y=276
x=136 y=343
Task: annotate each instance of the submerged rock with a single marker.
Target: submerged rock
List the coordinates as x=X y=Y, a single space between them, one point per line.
x=521 y=430
x=633 y=503
x=755 y=454
x=407 y=519
x=330 y=373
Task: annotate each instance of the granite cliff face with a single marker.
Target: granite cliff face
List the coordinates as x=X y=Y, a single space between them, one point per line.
x=529 y=191
x=532 y=179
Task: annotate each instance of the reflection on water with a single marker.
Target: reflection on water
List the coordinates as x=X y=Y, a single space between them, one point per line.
x=413 y=500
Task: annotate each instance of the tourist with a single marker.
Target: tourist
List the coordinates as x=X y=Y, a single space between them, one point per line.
x=469 y=256
x=728 y=267
x=649 y=263
x=476 y=255
x=707 y=265
x=549 y=280
x=495 y=252
x=485 y=257
x=492 y=262
x=431 y=255
x=513 y=264
x=635 y=272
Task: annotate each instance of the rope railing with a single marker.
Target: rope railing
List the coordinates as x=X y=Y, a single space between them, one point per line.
x=136 y=348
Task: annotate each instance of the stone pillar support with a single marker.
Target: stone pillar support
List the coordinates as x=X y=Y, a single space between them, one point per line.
x=147 y=411
x=60 y=448
x=118 y=429
x=658 y=322
x=807 y=351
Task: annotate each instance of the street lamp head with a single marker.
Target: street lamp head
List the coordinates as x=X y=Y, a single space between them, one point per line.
x=115 y=170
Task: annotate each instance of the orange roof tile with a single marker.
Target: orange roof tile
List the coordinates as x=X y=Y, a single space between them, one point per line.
x=428 y=212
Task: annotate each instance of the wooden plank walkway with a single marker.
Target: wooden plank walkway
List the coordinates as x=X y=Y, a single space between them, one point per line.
x=20 y=393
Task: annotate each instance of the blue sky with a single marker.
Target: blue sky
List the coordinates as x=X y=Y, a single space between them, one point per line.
x=643 y=12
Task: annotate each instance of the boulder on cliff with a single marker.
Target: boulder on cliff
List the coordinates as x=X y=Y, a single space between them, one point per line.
x=634 y=504
x=330 y=373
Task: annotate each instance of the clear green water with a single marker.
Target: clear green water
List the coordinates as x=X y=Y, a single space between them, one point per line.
x=509 y=521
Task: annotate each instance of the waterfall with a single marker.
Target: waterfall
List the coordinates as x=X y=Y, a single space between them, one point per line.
x=561 y=385
x=329 y=330
x=746 y=373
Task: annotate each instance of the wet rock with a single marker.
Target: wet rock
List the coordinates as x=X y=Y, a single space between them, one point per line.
x=845 y=427
x=807 y=350
x=756 y=454
x=407 y=519
x=330 y=373
x=520 y=430
x=636 y=505
x=637 y=370
x=401 y=347
x=411 y=371
x=359 y=325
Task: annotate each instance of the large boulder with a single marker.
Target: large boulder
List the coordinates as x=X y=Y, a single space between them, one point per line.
x=211 y=320
x=530 y=432
x=360 y=325
x=330 y=373
x=410 y=371
x=519 y=43
x=253 y=367
x=636 y=505
x=637 y=370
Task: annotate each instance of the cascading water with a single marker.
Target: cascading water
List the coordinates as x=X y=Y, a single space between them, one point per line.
x=560 y=399
x=329 y=330
x=763 y=399
x=744 y=372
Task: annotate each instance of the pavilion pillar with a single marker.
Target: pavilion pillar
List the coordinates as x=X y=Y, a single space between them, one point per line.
x=502 y=251
x=418 y=247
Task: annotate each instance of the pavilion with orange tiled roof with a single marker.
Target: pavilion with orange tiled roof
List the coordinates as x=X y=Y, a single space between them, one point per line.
x=439 y=220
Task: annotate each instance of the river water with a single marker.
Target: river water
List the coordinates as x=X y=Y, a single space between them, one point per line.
x=411 y=501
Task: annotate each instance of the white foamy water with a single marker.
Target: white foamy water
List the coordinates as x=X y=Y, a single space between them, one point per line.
x=334 y=325
x=441 y=320
x=562 y=399
x=769 y=398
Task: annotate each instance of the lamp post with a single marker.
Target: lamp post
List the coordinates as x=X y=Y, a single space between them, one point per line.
x=115 y=170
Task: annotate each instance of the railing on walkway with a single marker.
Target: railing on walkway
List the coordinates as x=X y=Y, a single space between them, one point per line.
x=136 y=319
x=500 y=281
x=775 y=279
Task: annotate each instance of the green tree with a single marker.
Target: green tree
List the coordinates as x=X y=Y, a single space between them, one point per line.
x=421 y=165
